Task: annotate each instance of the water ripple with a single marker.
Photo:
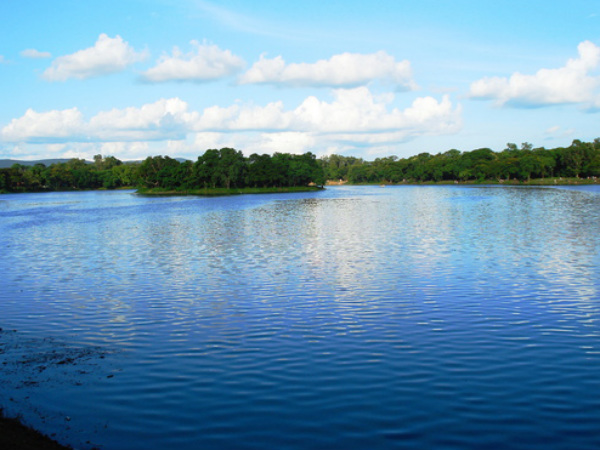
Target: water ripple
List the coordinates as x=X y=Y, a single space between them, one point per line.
x=410 y=317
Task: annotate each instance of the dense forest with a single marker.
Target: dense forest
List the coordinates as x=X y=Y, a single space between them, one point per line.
x=580 y=159
x=225 y=168
x=230 y=169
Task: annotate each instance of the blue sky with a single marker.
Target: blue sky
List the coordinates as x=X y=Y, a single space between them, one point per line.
x=133 y=78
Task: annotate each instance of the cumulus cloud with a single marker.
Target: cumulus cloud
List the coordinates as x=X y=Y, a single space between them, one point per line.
x=35 y=54
x=164 y=119
x=206 y=62
x=357 y=110
x=48 y=126
x=295 y=142
x=244 y=118
x=161 y=120
x=122 y=150
x=572 y=84
x=254 y=142
x=108 y=55
x=352 y=118
x=351 y=111
x=343 y=70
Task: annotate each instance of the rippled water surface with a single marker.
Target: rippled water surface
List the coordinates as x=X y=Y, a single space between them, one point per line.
x=353 y=318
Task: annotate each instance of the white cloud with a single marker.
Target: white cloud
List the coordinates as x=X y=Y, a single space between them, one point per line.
x=86 y=150
x=122 y=150
x=210 y=139
x=108 y=55
x=294 y=142
x=252 y=142
x=2 y=59
x=352 y=111
x=353 y=118
x=161 y=120
x=164 y=119
x=343 y=70
x=48 y=126
x=35 y=54
x=207 y=62
x=244 y=117
x=357 y=110
x=572 y=84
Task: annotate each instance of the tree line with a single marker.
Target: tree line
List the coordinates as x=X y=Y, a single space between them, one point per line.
x=229 y=168
x=225 y=168
x=580 y=159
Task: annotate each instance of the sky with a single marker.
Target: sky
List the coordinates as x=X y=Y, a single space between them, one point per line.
x=138 y=78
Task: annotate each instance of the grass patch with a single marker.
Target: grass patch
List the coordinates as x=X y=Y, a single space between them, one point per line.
x=554 y=181
x=214 y=192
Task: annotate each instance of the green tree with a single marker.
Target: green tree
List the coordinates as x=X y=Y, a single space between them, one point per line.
x=282 y=167
x=231 y=167
x=35 y=177
x=576 y=156
x=126 y=174
x=159 y=172
x=5 y=180
x=205 y=169
x=259 y=170
x=16 y=178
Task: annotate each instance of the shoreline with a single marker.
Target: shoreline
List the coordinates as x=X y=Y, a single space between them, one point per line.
x=28 y=362
x=15 y=435
x=553 y=181
x=216 y=192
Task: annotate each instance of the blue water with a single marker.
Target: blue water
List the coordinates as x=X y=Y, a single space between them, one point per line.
x=353 y=318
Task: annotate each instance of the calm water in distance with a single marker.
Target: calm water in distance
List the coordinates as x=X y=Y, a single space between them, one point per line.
x=353 y=318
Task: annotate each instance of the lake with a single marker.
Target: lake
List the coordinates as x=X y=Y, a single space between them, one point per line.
x=440 y=317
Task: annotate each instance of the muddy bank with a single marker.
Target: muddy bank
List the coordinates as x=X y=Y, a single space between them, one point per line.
x=16 y=436
x=34 y=373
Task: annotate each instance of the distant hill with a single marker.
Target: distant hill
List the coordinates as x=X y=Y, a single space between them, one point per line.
x=4 y=163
